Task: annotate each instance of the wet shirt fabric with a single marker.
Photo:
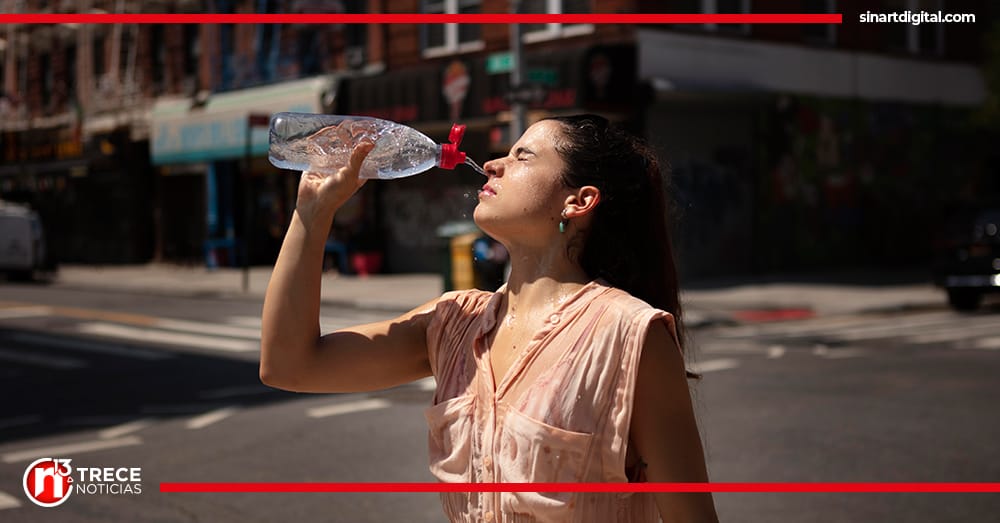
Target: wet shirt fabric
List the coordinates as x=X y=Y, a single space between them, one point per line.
x=560 y=414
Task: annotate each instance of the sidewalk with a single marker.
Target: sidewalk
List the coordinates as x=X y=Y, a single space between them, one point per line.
x=705 y=304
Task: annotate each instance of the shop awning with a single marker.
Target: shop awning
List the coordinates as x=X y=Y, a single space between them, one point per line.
x=185 y=131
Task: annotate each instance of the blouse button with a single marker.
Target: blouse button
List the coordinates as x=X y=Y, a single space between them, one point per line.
x=488 y=462
x=554 y=319
x=488 y=516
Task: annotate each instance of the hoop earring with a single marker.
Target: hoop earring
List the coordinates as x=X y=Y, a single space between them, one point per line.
x=562 y=224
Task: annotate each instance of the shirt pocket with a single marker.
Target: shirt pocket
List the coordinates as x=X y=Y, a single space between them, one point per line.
x=450 y=438
x=532 y=451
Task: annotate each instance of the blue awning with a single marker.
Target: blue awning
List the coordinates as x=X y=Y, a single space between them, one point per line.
x=186 y=131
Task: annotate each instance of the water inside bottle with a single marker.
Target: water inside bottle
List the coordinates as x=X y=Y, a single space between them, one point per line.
x=472 y=163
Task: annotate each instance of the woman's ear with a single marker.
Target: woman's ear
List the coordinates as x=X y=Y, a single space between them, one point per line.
x=582 y=202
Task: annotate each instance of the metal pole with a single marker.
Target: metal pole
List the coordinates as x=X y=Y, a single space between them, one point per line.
x=247 y=202
x=518 y=116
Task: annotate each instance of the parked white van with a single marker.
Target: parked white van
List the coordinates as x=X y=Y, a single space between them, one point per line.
x=22 y=242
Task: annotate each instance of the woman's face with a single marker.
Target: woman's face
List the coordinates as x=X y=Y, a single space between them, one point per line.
x=524 y=195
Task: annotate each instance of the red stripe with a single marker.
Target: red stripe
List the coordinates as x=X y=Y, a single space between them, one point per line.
x=586 y=487
x=216 y=18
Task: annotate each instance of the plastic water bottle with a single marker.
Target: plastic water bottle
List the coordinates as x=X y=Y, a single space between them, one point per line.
x=323 y=143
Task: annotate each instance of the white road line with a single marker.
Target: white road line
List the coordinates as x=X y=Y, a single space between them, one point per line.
x=231 y=392
x=775 y=351
x=125 y=428
x=824 y=351
x=191 y=408
x=8 y=501
x=992 y=343
x=39 y=360
x=87 y=346
x=347 y=408
x=427 y=384
x=24 y=312
x=146 y=335
x=19 y=421
x=72 y=448
x=959 y=332
x=714 y=365
x=209 y=418
x=849 y=326
x=209 y=328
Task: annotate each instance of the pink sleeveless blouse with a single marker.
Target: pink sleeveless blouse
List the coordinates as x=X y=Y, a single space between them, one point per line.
x=560 y=414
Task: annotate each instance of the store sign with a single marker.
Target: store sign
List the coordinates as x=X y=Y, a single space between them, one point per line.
x=498 y=63
x=183 y=132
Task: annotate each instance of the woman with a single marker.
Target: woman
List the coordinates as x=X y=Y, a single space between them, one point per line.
x=572 y=371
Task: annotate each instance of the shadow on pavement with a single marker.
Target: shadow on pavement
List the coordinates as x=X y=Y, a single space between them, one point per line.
x=48 y=391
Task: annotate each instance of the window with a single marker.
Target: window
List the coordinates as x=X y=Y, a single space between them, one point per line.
x=158 y=55
x=536 y=32
x=731 y=7
x=713 y=7
x=822 y=34
x=923 y=39
x=441 y=39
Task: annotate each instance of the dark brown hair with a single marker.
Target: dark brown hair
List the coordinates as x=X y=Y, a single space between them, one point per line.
x=628 y=243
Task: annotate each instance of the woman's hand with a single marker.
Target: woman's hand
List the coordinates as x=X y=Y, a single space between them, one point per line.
x=320 y=195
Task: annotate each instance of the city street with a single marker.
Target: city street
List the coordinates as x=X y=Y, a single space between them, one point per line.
x=169 y=384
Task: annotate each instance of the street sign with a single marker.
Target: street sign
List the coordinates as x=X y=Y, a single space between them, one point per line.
x=498 y=63
x=544 y=76
x=527 y=94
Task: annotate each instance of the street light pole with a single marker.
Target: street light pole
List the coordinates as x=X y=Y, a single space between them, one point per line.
x=518 y=116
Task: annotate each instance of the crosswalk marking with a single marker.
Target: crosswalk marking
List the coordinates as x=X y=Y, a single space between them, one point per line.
x=209 y=328
x=148 y=335
x=991 y=343
x=714 y=365
x=125 y=428
x=8 y=501
x=209 y=418
x=926 y=328
x=326 y=323
x=72 y=448
x=347 y=408
x=24 y=312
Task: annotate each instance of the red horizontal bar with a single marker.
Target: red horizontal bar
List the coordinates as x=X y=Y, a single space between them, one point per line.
x=244 y=18
x=586 y=487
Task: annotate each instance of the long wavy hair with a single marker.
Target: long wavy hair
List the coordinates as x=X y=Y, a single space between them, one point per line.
x=629 y=241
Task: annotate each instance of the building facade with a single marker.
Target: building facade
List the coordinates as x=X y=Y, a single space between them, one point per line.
x=791 y=146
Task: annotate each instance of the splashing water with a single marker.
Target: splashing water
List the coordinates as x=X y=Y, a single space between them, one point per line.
x=472 y=163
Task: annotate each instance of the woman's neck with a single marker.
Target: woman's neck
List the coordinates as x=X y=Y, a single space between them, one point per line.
x=537 y=280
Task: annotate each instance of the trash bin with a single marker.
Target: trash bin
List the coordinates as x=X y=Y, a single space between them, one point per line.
x=456 y=267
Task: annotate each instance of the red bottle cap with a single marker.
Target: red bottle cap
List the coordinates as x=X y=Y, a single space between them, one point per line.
x=450 y=155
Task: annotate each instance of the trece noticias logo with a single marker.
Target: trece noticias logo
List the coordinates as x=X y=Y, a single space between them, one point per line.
x=49 y=482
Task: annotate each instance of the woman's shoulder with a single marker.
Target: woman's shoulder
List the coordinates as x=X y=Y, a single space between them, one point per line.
x=466 y=298
x=621 y=301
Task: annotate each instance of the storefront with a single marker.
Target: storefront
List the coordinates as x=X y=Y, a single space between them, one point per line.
x=409 y=211
x=790 y=158
x=92 y=194
x=216 y=187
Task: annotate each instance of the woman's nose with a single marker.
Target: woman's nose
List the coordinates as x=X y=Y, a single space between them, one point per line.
x=493 y=167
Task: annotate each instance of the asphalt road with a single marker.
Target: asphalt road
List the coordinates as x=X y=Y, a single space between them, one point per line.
x=169 y=385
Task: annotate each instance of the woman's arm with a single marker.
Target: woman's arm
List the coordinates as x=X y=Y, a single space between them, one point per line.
x=664 y=430
x=293 y=355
